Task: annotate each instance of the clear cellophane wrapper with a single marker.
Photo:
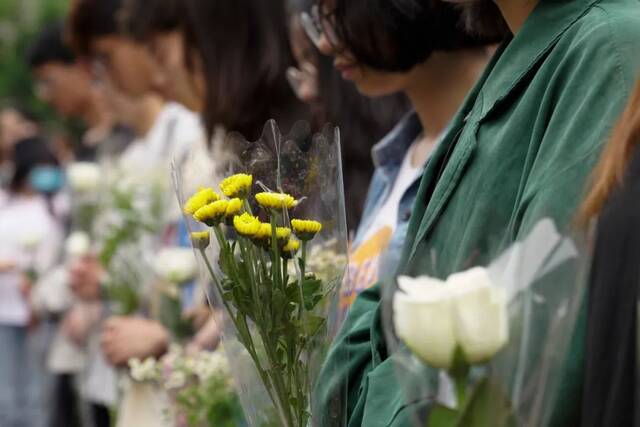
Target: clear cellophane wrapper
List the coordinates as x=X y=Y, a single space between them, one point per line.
x=276 y=358
x=543 y=278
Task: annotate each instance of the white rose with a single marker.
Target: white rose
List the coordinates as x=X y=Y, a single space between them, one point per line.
x=83 y=177
x=434 y=317
x=176 y=265
x=77 y=244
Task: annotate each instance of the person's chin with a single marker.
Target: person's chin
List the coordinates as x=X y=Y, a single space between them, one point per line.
x=369 y=91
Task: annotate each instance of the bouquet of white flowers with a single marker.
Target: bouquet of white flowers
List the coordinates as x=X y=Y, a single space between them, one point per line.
x=199 y=387
x=483 y=347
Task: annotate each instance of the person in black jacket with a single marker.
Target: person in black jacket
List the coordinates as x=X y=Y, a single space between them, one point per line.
x=610 y=390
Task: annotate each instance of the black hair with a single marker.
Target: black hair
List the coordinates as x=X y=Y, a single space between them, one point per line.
x=141 y=19
x=396 y=35
x=27 y=154
x=362 y=122
x=243 y=46
x=49 y=47
x=482 y=17
x=91 y=19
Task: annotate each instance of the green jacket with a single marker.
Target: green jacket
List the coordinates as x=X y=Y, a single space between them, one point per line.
x=520 y=149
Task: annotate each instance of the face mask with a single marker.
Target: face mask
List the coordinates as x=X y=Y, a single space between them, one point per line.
x=46 y=179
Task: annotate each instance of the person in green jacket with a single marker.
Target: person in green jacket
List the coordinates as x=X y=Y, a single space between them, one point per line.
x=519 y=150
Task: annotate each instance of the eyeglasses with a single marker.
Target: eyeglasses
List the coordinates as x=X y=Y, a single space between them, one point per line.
x=304 y=81
x=319 y=24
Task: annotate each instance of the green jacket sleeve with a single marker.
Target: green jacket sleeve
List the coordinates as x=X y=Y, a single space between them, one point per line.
x=348 y=361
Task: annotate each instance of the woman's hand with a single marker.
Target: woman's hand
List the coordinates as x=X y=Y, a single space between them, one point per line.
x=85 y=277
x=124 y=338
x=208 y=337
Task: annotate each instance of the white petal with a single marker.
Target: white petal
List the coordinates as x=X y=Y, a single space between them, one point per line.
x=426 y=328
x=481 y=319
x=423 y=288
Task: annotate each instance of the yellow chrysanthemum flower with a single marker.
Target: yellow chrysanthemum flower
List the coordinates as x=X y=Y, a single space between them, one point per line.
x=276 y=200
x=237 y=185
x=200 y=199
x=290 y=248
x=264 y=232
x=212 y=213
x=246 y=225
x=305 y=229
x=283 y=233
x=201 y=239
x=233 y=208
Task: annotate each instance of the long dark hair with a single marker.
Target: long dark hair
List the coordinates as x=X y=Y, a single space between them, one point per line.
x=244 y=50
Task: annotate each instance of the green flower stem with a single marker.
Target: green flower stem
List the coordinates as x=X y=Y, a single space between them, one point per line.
x=275 y=254
x=304 y=258
x=461 y=391
x=246 y=340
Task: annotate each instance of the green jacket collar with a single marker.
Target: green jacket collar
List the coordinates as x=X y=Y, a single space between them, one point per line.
x=513 y=61
x=549 y=20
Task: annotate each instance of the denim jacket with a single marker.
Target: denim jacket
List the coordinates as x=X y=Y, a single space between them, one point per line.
x=388 y=156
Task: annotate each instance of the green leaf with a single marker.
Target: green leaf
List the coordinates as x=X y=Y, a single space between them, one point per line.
x=312 y=324
x=311 y=288
x=441 y=416
x=487 y=406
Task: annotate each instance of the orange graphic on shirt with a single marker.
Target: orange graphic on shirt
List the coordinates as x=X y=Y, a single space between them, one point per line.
x=364 y=264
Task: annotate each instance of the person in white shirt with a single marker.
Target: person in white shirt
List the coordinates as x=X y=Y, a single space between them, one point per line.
x=30 y=246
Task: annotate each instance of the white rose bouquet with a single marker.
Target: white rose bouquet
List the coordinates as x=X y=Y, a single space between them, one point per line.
x=496 y=335
x=127 y=233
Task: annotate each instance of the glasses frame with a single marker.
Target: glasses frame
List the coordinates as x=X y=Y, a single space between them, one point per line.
x=317 y=24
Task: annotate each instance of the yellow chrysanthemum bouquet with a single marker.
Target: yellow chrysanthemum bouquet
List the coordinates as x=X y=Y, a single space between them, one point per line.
x=281 y=310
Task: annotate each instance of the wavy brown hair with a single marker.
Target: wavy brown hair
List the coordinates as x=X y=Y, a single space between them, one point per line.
x=609 y=173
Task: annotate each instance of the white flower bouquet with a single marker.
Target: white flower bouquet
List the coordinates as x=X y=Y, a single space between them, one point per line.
x=198 y=386
x=483 y=347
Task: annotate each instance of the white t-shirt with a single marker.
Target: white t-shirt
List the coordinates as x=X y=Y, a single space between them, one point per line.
x=364 y=259
x=31 y=238
x=175 y=131
x=387 y=216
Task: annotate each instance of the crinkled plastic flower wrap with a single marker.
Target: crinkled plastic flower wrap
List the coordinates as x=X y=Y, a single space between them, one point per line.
x=487 y=346
x=272 y=242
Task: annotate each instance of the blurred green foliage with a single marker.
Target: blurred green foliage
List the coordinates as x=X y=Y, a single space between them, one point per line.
x=20 y=22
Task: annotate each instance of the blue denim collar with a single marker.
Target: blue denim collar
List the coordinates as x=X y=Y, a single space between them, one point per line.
x=391 y=150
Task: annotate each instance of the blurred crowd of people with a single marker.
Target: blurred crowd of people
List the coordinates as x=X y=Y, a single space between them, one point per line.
x=153 y=80
x=148 y=81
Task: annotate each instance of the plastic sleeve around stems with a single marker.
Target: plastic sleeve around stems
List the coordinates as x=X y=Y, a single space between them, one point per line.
x=543 y=279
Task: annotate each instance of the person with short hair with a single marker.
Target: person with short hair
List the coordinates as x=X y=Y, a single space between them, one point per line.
x=30 y=246
x=165 y=131
x=519 y=150
x=63 y=81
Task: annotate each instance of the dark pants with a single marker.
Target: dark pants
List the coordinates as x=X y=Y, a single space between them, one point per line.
x=65 y=410
x=101 y=416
